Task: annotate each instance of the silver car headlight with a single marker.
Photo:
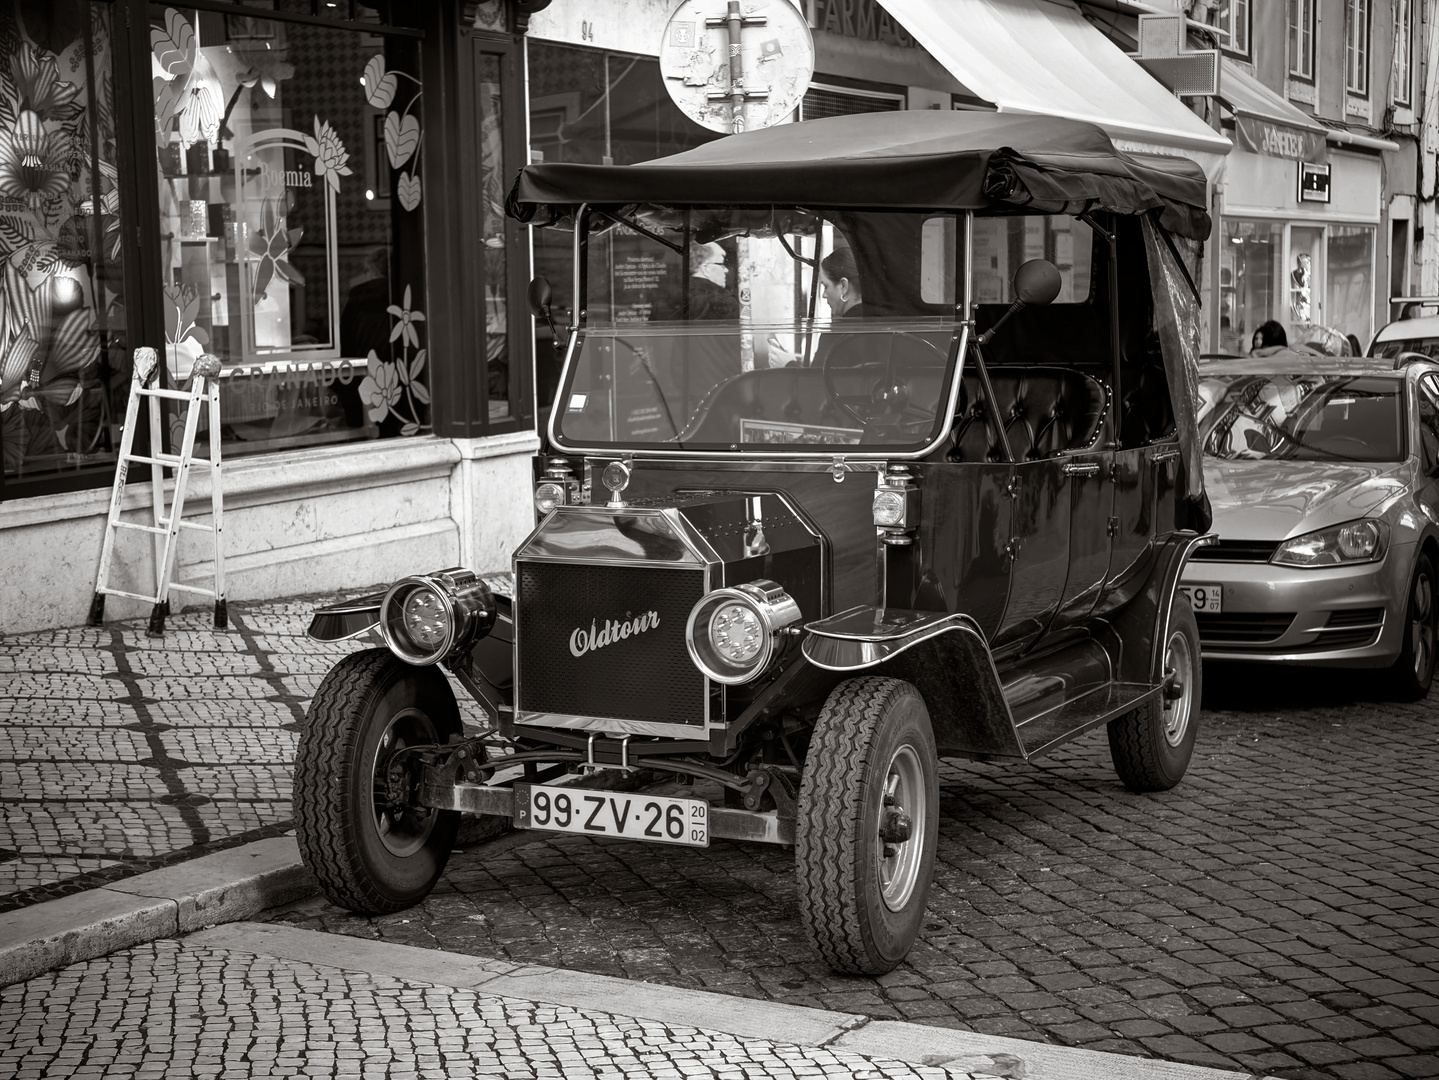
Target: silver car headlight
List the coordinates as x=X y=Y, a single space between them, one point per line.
x=424 y=619
x=735 y=634
x=1339 y=545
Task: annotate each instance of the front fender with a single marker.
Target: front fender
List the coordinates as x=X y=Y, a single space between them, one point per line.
x=944 y=656
x=349 y=619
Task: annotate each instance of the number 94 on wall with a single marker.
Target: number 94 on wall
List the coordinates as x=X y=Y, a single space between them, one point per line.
x=656 y=819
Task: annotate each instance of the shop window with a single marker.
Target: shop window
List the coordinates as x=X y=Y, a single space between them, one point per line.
x=1250 y=280
x=594 y=107
x=1301 y=39
x=64 y=357
x=291 y=183
x=1233 y=18
x=1349 y=280
x=1356 y=47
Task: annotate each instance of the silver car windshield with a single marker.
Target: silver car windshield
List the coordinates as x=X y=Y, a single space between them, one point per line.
x=1302 y=417
x=1426 y=346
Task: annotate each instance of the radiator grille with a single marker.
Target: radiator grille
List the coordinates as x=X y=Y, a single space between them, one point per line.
x=1236 y=551
x=647 y=676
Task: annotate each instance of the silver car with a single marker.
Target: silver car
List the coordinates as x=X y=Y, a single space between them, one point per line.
x=1323 y=473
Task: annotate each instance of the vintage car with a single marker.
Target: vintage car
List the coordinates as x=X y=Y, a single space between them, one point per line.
x=1323 y=473
x=786 y=559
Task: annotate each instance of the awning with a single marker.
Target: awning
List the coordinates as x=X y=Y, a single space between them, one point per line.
x=1264 y=123
x=1041 y=56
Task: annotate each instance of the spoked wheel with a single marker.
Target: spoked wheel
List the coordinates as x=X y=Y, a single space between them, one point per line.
x=1413 y=672
x=1151 y=745
x=371 y=849
x=868 y=823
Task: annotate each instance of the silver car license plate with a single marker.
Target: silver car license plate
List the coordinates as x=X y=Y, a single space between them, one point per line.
x=658 y=819
x=1203 y=597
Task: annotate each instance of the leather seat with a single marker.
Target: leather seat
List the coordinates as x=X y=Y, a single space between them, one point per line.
x=1044 y=411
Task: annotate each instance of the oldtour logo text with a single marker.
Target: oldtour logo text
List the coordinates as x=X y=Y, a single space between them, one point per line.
x=583 y=641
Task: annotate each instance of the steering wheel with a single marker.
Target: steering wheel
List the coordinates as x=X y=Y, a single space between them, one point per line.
x=874 y=391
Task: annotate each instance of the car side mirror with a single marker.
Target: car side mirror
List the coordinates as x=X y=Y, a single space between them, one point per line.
x=541 y=296
x=1036 y=283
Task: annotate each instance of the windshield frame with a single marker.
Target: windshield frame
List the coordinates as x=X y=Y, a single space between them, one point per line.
x=959 y=349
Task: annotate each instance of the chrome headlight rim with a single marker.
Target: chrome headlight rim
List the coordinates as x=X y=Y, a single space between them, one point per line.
x=1333 y=555
x=467 y=603
x=775 y=610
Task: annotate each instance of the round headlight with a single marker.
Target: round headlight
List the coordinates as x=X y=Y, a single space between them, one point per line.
x=548 y=496
x=736 y=631
x=888 y=507
x=734 y=634
x=425 y=619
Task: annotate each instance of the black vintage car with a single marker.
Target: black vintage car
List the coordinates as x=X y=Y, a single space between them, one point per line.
x=789 y=554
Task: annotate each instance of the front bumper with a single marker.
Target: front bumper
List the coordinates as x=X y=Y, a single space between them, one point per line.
x=1349 y=616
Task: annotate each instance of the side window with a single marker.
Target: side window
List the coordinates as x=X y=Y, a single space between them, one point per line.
x=1429 y=421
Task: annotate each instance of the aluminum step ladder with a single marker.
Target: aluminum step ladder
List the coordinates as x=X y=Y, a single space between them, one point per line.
x=166 y=526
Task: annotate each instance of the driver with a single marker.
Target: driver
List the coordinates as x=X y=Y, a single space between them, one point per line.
x=840 y=287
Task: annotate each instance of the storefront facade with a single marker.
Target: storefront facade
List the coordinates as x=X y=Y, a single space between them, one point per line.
x=288 y=187
x=1284 y=255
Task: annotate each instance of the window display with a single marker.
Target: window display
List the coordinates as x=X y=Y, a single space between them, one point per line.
x=64 y=364
x=290 y=188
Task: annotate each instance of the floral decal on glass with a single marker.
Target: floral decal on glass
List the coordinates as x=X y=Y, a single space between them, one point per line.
x=388 y=381
x=60 y=309
x=330 y=154
x=272 y=242
x=402 y=130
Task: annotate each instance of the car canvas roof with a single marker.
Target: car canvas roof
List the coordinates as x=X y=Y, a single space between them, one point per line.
x=921 y=159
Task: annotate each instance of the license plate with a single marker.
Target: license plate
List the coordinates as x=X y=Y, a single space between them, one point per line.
x=658 y=819
x=1203 y=597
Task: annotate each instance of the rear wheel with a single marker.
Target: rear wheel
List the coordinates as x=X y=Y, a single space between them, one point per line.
x=1413 y=672
x=868 y=823
x=1151 y=745
x=370 y=850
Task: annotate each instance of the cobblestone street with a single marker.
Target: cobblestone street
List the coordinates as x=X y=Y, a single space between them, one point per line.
x=1276 y=913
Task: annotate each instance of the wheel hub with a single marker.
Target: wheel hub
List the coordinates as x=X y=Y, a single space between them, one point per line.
x=402 y=827
x=1179 y=669
x=900 y=828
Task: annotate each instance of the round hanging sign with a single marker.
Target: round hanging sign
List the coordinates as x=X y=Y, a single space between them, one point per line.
x=733 y=65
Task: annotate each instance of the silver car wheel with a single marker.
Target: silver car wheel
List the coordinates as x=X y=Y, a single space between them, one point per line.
x=1421 y=625
x=899 y=861
x=1179 y=659
x=402 y=830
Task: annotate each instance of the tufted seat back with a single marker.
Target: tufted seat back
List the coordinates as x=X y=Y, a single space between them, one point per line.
x=1044 y=411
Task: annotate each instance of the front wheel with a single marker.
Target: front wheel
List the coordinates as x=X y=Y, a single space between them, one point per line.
x=1413 y=672
x=370 y=850
x=1151 y=745
x=868 y=824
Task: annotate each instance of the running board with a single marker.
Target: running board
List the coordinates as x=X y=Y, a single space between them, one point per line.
x=1098 y=706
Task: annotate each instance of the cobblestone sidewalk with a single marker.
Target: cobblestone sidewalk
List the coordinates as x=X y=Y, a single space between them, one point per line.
x=121 y=753
x=168 y=1009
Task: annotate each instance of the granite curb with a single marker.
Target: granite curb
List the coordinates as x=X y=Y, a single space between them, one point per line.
x=223 y=887
x=210 y=898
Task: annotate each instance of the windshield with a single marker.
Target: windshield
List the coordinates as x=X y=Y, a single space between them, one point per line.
x=767 y=328
x=1302 y=417
x=1389 y=350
